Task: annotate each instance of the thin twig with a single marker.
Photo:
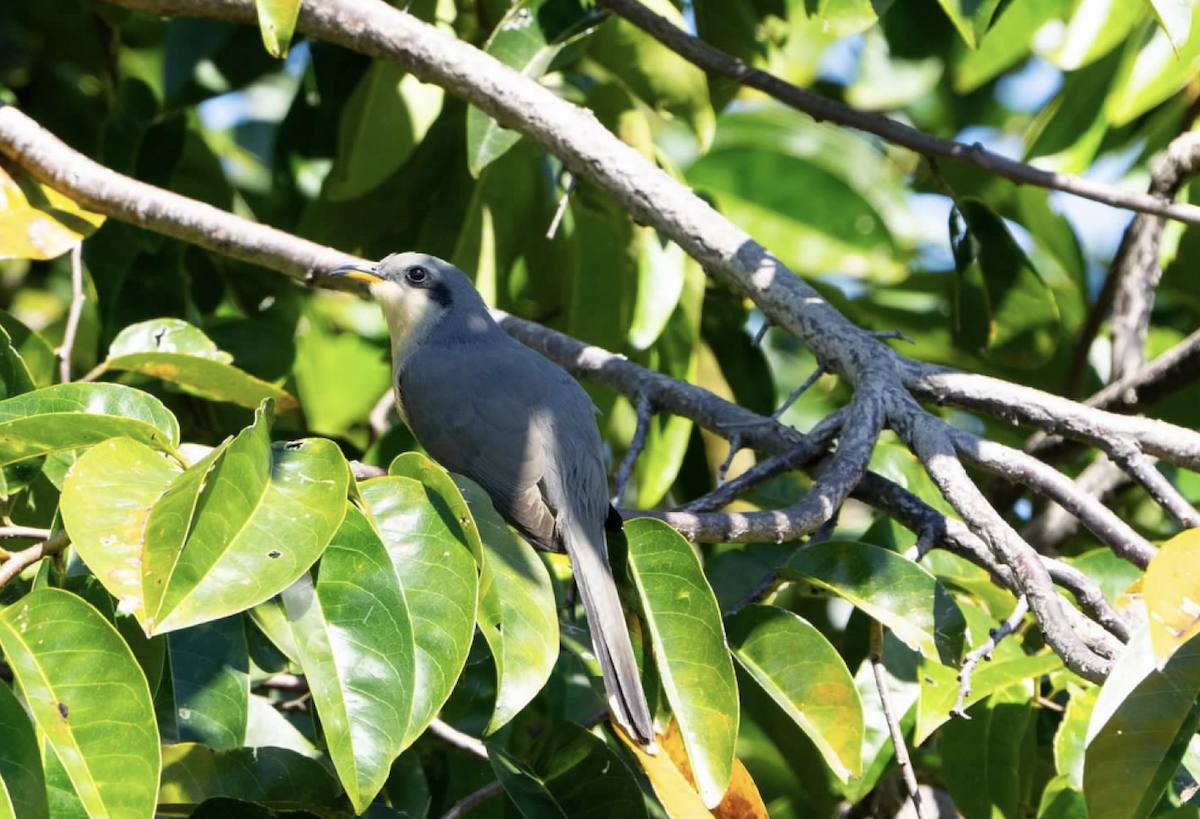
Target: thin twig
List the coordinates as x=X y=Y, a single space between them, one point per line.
x=364 y=472
x=471 y=800
x=796 y=393
x=984 y=652
x=1141 y=468
x=17 y=562
x=645 y=412
x=735 y=446
x=24 y=531
x=561 y=210
x=889 y=716
x=452 y=736
x=76 y=310
x=761 y=333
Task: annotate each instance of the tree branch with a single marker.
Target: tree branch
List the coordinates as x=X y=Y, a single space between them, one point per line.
x=820 y=108
x=17 y=562
x=893 y=723
x=984 y=652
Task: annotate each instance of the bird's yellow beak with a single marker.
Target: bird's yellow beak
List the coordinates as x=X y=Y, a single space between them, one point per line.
x=358 y=272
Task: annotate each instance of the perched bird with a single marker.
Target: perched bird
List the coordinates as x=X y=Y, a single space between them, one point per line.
x=487 y=407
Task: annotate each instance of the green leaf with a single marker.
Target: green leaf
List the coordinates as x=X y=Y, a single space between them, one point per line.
x=846 y=17
x=888 y=587
x=1096 y=27
x=440 y=584
x=516 y=613
x=986 y=758
x=355 y=638
x=661 y=274
x=1151 y=72
x=939 y=686
x=1061 y=801
x=730 y=26
x=689 y=649
x=38 y=355
x=209 y=666
x=1140 y=729
x=970 y=17
x=38 y=222
x=1022 y=320
x=527 y=39
x=75 y=416
x=240 y=526
x=14 y=375
x=386 y=117
x=176 y=351
x=661 y=78
x=88 y=697
x=1008 y=41
x=272 y=777
x=277 y=22
x=1068 y=132
x=1175 y=17
x=1070 y=741
x=267 y=727
x=22 y=782
x=806 y=677
x=105 y=502
x=525 y=788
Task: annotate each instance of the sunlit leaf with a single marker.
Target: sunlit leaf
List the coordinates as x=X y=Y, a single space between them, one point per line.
x=803 y=673
x=440 y=582
x=940 y=686
x=1070 y=741
x=1009 y=39
x=355 y=638
x=891 y=589
x=1171 y=592
x=1151 y=72
x=271 y=777
x=22 y=782
x=277 y=21
x=1140 y=729
x=1175 y=17
x=88 y=697
x=846 y=17
x=1094 y=29
x=38 y=222
x=970 y=17
x=689 y=649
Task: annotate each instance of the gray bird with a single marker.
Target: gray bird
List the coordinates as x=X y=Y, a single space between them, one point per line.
x=487 y=407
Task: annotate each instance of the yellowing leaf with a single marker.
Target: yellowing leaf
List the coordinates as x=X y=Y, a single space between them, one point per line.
x=1172 y=594
x=38 y=222
x=670 y=774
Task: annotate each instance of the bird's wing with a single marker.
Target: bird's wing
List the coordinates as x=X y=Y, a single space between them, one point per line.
x=475 y=410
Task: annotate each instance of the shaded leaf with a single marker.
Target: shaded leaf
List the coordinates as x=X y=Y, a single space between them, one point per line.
x=355 y=638
x=209 y=667
x=277 y=21
x=440 y=584
x=1140 y=729
x=22 y=782
x=1008 y=41
x=38 y=222
x=272 y=777
x=1171 y=592
x=14 y=375
x=806 y=677
x=88 y=697
x=524 y=787
x=986 y=758
x=240 y=526
x=689 y=648
x=908 y=600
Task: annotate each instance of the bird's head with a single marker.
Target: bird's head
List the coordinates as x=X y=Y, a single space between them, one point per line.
x=416 y=292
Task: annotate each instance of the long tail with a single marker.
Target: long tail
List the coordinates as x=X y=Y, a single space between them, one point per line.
x=610 y=636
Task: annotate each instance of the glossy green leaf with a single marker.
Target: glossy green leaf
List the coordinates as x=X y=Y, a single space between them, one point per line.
x=1151 y=72
x=970 y=17
x=689 y=649
x=88 y=697
x=34 y=350
x=440 y=584
x=240 y=526
x=385 y=118
x=846 y=17
x=524 y=787
x=516 y=613
x=277 y=22
x=355 y=637
x=105 y=502
x=1095 y=28
x=655 y=74
x=14 y=375
x=209 y=666
x=888 y=587
x=1175 y=17
x=267 y=727
x=661 y=273
x=987 y=758
x=803 y=673
x=272 y=777
x=75 y=416
x=940 y=685
x=1140 y=729
x=996 y=278
x=38 y=222
x=22 y=782
x=526 y=39
x=1061 y=801
x=1070 y=741
x=60 y=793
x=176 y=351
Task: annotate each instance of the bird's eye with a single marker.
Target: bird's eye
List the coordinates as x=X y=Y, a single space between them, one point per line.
x=416 y=274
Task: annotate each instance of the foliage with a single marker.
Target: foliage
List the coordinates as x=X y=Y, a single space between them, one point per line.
x=213 y=554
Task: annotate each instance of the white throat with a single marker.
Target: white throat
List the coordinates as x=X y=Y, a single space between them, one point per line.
x=410 y=316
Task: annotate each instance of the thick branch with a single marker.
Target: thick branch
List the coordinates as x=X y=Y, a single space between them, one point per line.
x=820 y=108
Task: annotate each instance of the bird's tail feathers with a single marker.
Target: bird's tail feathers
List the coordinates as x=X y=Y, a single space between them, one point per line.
x=610 y=636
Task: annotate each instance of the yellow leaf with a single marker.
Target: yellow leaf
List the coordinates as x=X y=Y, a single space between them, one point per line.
x=1172 y=594
x=670 y=774
x=38 y=222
